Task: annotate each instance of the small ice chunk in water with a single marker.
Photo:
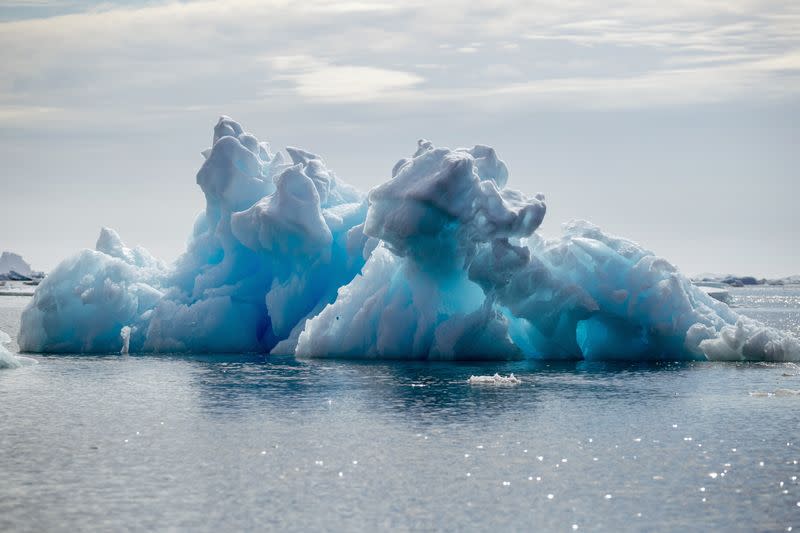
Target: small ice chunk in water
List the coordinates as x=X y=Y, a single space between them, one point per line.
x=8 y=359
x=496 y=379
x=125 y=334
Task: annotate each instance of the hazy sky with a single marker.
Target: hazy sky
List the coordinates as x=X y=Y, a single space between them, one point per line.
x=675 y=123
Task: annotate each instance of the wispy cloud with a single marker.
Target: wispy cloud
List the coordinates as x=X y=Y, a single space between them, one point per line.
x=111 y=59
x=36 y=3
x=319 y=81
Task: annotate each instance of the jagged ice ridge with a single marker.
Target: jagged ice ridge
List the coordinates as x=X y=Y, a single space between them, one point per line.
x=442 y=262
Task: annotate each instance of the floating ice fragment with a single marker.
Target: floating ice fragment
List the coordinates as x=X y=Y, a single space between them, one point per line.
x=496 y=379
x=8 y=359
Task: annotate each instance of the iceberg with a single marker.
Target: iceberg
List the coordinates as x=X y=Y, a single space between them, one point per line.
x=11 y=262
x=441 y=262
x=8 y=359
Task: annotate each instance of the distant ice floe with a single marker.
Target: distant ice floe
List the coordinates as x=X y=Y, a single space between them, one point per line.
x=440 y=262
x=496 y=379
x=8 y=359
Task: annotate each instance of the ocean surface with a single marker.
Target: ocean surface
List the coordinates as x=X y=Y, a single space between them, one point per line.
x=220 y=443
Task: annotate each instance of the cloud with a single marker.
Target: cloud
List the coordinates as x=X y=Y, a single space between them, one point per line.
x=318 y=81
x=685 y=87
x=36 y=3
x=133 y=61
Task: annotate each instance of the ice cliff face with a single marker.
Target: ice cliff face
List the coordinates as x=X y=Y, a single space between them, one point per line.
x=440 y=262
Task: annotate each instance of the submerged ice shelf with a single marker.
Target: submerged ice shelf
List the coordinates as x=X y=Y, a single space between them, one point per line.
x=442 y=261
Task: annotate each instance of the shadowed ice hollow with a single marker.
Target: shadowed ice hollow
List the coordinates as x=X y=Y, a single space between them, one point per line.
x=440 y=262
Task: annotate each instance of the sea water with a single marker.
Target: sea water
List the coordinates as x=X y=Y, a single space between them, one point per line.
x=242 y=442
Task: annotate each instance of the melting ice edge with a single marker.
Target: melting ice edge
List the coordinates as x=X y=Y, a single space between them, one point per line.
x=441 y=262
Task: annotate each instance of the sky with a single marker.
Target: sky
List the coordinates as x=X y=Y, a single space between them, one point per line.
x=673 y=123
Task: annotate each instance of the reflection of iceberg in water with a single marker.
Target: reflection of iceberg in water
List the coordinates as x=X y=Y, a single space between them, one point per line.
x=419 y=393
x=440 y=262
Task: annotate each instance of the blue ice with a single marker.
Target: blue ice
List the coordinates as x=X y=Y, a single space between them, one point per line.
x=442 y=262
